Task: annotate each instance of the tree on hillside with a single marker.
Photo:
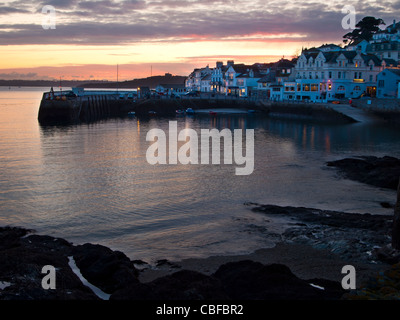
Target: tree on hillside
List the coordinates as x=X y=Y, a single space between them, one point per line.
x=364 y=30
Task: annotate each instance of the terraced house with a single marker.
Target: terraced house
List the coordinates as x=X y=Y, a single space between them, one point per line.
x=324 y=75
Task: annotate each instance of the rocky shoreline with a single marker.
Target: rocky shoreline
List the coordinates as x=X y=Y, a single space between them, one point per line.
x=304 y=265
x=24 y=253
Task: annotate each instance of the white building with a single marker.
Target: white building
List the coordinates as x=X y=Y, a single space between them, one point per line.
x=386 y=43
x=388 y=83
x=273 y=85
x=330 y=75
x=217 y=78
x=171 y=89
x=247 y=82
x=194 y=80
x=205 y=83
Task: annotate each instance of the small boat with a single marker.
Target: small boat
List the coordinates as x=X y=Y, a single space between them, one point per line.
x=213 y=113
x=189 y=111
x=179 y=112
x=131 y=113
x=152 y=113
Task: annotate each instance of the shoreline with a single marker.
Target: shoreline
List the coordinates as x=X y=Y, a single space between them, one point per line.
x=296 y=261
x=305 y=264
x=304 y=260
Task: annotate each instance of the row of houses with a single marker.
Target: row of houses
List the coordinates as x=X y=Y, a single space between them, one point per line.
x=325 y=73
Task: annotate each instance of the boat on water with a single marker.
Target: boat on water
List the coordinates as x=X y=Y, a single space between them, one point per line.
x=179 y=112
x=213 y=113
x=189 y=111
x=131 y=113
x=152 y=113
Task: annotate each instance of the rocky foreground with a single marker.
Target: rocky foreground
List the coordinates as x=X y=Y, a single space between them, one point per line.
x=23 y=255
x=111 y=275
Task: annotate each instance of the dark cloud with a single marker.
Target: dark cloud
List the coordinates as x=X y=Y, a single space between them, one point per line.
x=60 y=3
x=23 y=76
x=8 y=10
x=117 y=22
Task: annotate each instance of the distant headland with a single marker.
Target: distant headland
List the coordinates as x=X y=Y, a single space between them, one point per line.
x=150 y=82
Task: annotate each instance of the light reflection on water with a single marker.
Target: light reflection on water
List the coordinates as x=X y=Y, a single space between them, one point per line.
x=92 y=183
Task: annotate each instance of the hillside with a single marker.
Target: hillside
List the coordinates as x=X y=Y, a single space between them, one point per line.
x=151 y=82
x=42 y=83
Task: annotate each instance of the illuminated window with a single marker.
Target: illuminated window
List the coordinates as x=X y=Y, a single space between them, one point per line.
x=330 y=86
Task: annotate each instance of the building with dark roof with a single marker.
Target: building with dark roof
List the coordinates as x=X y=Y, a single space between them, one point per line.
x=388 y=83
x=386 y=43
x=329 y=75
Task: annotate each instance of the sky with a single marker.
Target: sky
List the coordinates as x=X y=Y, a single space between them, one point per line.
x=153 y=37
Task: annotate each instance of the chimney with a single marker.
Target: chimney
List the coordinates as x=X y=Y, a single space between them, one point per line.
x=219 y=64
x=230 y=63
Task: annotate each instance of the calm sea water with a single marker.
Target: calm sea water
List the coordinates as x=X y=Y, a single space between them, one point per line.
x=92 y=183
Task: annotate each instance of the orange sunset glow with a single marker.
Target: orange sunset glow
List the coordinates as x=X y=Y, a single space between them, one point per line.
x=148 y=37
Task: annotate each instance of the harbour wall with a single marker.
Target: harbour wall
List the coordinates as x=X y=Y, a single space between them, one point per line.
x=95 y=107
x=87 y=108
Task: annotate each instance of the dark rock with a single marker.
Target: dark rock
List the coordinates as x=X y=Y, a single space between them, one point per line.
x=380 y=172
x=387 y=254
x=181 y=285
x=22 y=258
x=134 y=291
x=248 y=280
x=165 y=262
x=139 y=262
x=107 y=269
x=188 y=285
x=349 y=235
x=387 y=205
x=381 y=223
x=21 y=262
x=10 y=237
x=333 y=289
